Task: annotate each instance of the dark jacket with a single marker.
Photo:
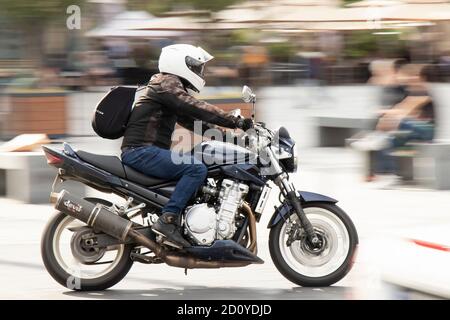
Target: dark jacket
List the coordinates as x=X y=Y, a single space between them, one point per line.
x=165 y=103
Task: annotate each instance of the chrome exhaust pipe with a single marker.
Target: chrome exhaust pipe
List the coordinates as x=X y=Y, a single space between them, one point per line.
x=180 y=260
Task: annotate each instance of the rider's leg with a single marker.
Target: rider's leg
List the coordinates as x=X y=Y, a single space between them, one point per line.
x=165 y=164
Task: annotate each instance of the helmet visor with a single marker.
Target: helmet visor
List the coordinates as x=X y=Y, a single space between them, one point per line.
x=195 y=66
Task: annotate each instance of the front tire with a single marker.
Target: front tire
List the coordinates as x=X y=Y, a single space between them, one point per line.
x=71 y=277
x=306 y=267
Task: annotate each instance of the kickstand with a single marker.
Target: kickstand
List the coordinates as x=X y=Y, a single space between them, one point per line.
x=185 y=271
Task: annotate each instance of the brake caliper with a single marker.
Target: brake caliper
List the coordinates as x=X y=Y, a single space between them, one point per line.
x=294 y=233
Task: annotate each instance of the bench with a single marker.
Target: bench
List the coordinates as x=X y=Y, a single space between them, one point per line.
x=334 y=130
x=427 y=164
x=404 y=159
x=26 y=176
x=432 y=164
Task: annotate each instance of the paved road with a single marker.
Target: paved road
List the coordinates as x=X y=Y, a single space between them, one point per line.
x=380 y=214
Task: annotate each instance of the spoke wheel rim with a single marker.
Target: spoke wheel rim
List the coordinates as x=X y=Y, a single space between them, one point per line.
x=70 y=264
x=301 y=258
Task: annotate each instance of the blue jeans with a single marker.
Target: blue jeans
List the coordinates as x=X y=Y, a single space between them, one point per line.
x=415 y=130
x=157 y=162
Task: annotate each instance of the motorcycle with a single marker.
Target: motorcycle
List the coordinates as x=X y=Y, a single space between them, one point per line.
x=91 y=243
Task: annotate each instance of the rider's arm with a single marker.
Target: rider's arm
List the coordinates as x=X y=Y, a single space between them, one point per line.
x=408 y=107
x=208 y=130
x=411 y=105
x=194 y=125
x=184 y=104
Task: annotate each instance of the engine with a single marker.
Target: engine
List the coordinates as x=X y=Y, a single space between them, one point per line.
x=205 y=223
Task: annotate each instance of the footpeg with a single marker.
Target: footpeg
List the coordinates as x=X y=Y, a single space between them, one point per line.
x=171 y=244
x=161 y=239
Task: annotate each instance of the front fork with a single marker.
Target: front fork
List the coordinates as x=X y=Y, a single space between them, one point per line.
x=290 y=194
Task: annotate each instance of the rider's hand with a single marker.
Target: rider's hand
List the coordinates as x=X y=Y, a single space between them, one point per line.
x=244 y=124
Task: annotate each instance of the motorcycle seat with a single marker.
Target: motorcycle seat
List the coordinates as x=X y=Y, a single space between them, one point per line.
x=115 y=166
x=136 y=176
x=111 y=164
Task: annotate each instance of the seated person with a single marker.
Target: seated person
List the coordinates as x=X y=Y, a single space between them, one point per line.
x=412 y=119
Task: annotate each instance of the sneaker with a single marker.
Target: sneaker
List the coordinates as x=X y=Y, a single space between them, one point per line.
x=372 y=142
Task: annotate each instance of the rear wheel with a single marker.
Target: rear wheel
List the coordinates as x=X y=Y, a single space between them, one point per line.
x=302 y=263
x=73 y=263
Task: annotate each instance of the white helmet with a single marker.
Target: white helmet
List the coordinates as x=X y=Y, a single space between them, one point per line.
x=186 y=62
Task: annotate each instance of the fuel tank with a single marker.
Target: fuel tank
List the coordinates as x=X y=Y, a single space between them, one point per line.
x=219 y=153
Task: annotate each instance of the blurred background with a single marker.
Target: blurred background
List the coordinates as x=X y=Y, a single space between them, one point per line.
x=332 y=72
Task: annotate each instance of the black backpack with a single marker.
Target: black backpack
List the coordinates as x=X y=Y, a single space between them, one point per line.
x=113 y=111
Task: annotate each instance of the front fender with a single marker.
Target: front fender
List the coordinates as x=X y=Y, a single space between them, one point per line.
x=305 y=197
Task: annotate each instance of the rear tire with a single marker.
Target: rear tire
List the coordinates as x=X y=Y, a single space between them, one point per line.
x=322 y=280
x=74 y=282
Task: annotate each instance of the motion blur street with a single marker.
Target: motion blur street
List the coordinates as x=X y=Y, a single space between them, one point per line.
x=385 y=213
x=363 y=87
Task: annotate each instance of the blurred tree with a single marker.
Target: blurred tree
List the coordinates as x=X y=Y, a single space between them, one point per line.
x=215 y=5
x=158 y=7
x=242 y=37
x=360 y=44
x=32 y=17
x=36 y=11
x=281 y=51
x=344 y=2
x=386 y=44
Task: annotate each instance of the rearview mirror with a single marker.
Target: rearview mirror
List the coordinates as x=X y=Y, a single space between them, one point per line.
x=247 y=94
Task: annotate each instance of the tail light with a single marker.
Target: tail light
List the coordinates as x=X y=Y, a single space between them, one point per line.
x=52 y=159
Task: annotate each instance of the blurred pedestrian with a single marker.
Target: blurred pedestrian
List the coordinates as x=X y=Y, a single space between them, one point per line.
x=411 y=119
x=252 y=62
x=385 y=75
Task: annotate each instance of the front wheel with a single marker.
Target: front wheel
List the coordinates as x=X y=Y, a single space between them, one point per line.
x=310 y=266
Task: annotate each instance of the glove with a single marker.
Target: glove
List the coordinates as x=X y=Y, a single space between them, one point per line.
x=244 y=124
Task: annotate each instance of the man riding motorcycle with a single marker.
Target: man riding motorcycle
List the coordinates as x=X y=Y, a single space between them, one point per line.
x=147 y=138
